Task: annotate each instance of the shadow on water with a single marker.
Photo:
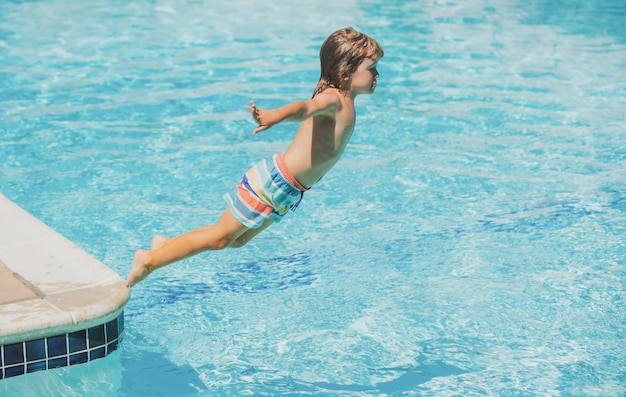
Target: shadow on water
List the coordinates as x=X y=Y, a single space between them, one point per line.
x=151 y=374
x=276 y=273
x=408 y=379
x=272 y=274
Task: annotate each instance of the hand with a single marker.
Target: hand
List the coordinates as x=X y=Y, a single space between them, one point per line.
x=258 y=115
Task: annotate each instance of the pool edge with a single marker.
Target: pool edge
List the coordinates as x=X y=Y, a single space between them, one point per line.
x=59 y=306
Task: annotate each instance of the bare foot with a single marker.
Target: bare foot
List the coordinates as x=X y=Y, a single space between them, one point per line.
x=158 y=241
x=140 y=270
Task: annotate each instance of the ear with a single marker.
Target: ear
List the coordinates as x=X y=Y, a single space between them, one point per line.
x=345 y=83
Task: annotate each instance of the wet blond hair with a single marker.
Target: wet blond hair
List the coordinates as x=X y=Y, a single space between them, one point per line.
x=341 y=54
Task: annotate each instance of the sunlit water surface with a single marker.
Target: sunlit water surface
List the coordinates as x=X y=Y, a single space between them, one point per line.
x=470 y=242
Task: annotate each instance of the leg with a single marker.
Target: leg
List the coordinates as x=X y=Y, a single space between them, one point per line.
x=249 y=234
x=213 y=237
x=158 y=241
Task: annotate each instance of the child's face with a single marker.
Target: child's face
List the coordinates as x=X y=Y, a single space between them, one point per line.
x=363 y=81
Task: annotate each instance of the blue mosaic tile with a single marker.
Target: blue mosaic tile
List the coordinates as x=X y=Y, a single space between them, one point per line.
x=78 y=341
x=57 y=345
x=36 y=366
x=13 y=354
x=57 y=362
x=13 y=371
x=96 y=336
x=79 y=358
x=35 y=350
x=98 y=353
x=111 y=347
x=112 y=331
x=62 y=350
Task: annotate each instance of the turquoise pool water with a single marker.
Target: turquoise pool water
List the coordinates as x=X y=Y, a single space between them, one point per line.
x=470 y=242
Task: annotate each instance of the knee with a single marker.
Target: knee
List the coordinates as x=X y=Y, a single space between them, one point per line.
x=222 y=243
x=229 y=242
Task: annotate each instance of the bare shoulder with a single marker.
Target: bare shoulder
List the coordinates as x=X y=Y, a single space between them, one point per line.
x=331 y=94
x=327 y=101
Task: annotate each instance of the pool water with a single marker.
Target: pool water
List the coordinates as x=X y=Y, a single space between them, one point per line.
x=470 y=242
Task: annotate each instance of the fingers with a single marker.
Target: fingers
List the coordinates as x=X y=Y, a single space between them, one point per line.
x=252 y=107
x=255 y=110
x=259 y=129
x=255 y=114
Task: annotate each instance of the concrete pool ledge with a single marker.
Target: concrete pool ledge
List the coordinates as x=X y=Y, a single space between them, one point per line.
x=59 y=305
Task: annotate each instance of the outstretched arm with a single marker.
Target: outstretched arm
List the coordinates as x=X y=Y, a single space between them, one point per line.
x=324 y=103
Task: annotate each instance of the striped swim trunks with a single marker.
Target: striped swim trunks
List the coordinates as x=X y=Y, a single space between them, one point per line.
x=266 y=191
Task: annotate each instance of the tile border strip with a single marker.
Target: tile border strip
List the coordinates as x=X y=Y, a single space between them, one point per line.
x=62 y=350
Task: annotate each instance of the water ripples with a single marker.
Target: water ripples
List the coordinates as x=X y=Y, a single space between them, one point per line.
x=470 y=241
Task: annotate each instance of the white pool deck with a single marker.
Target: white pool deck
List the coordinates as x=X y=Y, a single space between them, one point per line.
x=48 y=285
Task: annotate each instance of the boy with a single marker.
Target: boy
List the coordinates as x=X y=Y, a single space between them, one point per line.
x=273 y=186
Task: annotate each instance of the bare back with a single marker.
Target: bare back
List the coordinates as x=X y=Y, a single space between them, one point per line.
x=320 y=141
